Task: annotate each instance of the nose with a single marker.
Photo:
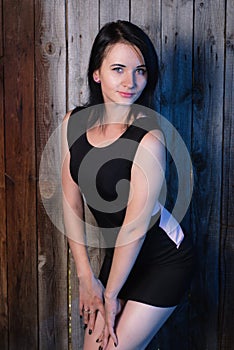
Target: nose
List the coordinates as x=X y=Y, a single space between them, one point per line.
x=129 y=80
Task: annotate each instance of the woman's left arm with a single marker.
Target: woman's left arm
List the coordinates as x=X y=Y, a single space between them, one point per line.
x=147 y=177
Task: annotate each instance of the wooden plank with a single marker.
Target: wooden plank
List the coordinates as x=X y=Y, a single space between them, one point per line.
x=3 y=238
x=1 y=30
x=176 y=86
x=20 y=173
x=50 y=56
x=226 y=340
x=111 y=10
x=149 y=19
x=207 y=160
x=82 y=29
x=171 y=24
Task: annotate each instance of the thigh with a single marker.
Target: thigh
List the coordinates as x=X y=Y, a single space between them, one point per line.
x=90 y=340
x=138 y=324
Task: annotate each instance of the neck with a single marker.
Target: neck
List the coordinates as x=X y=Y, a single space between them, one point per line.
x=116 y=113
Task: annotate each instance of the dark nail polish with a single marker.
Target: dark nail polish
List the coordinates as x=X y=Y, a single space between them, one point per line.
x=115 y=345
x=80 y=316
x=97 y=341
x=85 y=326
x=90 y=331
x=100 y=348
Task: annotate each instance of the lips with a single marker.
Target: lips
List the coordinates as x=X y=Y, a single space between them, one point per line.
x=126 y=94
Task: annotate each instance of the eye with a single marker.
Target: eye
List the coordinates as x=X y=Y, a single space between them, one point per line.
x=118 y=69
x=141 y=71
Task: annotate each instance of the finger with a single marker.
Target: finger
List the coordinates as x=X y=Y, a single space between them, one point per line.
x=106 y=336
x=113 y=336
x=86 y=315
x=111 y=323
x=92 y=319
x=81 y=306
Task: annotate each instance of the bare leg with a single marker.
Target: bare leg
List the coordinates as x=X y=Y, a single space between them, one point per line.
x=90 y=340
x=138 y=324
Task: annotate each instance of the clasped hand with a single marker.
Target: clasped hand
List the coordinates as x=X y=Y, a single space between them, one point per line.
x=112 y=309
x=92 y=299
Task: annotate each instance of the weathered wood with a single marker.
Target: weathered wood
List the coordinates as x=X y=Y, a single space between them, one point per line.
x=226 y=335
x=69 y=27
x=1 y=30
x=175 y=88
x=111 y=10
x=51 y=107
x=3 y=246
x=207 y=160
x=20 y=173
x=82 y=29
x=149 y=19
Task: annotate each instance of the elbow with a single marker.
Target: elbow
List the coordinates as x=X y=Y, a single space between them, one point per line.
x=134 y=235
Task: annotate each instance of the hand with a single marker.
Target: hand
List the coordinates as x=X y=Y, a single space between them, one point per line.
x=91 y=293
x=112 y=308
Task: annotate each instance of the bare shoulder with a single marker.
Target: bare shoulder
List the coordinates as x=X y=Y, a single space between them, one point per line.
x=67 y=116
x=154 y=136
x=153 y=140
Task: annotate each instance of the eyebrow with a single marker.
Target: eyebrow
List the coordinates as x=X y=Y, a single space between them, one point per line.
x=122 y=65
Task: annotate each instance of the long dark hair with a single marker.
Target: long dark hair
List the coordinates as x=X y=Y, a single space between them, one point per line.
x=123 y=32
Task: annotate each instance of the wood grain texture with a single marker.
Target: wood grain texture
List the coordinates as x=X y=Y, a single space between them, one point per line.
x=1 y=29
x=111 y=10
x=50 y=55
x=3 y=237
x=175 y=89
x=207 y=160
x=82 y=28
x=149 y=19
x=20 y=173
x=226 y=335
x=196 y=91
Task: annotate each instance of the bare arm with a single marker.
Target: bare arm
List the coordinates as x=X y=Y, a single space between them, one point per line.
x=91 y=290
x=146 y=181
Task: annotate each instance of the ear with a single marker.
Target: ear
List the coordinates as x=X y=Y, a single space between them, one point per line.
x=96 y=76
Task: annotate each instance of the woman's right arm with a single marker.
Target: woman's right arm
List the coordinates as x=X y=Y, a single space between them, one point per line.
x=91 y=289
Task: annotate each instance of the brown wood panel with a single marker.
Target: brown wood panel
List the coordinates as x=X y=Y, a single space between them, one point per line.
x=111 y=10
x=82 y=29
x=3 y=247
x=226 y=334
x=209 y=27
x=1 y=29
x=50 y=55
x=20 y=173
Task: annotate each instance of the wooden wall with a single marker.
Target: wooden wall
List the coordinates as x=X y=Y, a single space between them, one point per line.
x=44 y=49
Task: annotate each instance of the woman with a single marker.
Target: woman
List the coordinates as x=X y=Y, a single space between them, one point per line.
x=146 y=268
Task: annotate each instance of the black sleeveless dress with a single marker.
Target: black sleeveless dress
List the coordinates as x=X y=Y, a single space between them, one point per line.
x=163 y=268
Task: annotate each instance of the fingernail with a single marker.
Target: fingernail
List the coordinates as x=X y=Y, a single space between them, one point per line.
x=115 y=345
x=97 y=341
x=85 y=326
x=100 y=348
x=90 y=331
x=80 y=316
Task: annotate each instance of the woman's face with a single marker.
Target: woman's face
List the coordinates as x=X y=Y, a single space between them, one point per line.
x=122 y=75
